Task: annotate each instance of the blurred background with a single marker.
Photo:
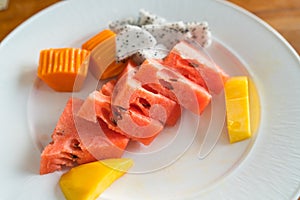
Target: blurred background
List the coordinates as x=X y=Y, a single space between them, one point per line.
x=283 y=15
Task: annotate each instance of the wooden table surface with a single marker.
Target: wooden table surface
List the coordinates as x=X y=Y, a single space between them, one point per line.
x=283 y=15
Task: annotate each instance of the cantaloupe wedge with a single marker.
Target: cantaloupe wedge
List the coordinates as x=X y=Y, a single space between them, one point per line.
x=88 y=181
x=97 y=39
x=103 y=55
x=63 y=69
x=114 y=69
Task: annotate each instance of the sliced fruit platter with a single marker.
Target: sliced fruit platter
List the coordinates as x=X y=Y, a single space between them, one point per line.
x=153 y=70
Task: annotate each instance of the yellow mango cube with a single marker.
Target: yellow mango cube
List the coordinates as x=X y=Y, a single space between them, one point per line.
x=88 y=181
x=237 y=108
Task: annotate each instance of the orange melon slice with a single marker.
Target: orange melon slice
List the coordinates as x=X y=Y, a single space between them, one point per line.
x=63 y=69
x=103 y=53
x=114 y=69
x=97 y=39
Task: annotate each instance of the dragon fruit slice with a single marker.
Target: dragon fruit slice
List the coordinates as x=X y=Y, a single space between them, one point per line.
x=167 y=34
x=200 y=33
x=179 y=26
x=157 y=52
x=146 y=17
x=118 y=25
x=132 y=39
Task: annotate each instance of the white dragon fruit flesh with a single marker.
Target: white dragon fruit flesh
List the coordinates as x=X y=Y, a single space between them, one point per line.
x=179 y=26
x=166 y=34
x=200 y=33
x=118 y=25
x=131 y=40
x=157 y=52
x=146 y=17
x=142 y=34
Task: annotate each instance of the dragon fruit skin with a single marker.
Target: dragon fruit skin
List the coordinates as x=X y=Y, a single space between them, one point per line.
x=132 y=39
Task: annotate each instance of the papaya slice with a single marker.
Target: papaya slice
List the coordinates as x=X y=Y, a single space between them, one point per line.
x=114 y=69
x=63 y=69
x=103 y=55
x=97 y=39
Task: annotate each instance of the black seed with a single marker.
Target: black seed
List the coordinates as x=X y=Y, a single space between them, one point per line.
x=144 y=102
x=192 y=64
x=74 y=156
x=166 y=84
x=114 y=121
x=60 y=132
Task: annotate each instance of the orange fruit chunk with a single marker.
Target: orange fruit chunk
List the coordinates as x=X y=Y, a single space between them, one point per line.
x=97 y=39
x=114 y=69
x=237 y=108
x=103 y=55
x=88 y=181
x=64 y=69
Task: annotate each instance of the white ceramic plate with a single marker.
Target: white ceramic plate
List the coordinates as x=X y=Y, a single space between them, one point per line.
x=263 y=167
